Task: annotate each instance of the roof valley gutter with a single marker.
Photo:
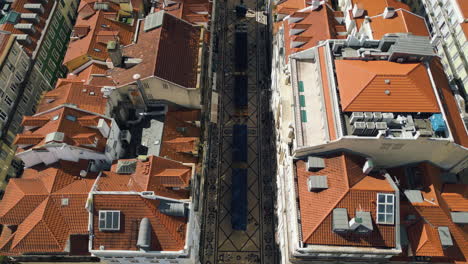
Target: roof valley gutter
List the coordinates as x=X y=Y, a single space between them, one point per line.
x=39 y=42
x=436 y=93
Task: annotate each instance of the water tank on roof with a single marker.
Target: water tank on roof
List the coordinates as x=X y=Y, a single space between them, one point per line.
x=438 y=123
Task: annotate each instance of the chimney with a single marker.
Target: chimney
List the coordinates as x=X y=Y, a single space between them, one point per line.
x=389 y=12
x=115 y=53
x=357 y=12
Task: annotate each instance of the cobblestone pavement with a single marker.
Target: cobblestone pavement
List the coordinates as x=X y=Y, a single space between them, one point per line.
x=221 y=244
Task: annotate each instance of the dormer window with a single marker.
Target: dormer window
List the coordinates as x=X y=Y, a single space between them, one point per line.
x=109 y=220
x=71 y=118
x=385 y=208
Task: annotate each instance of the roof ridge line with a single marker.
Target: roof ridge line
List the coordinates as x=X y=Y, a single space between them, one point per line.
x=363 y=87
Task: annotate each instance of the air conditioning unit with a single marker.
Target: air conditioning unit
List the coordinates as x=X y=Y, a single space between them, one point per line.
x=356 y=116
x=377 y=116
x=381 y=126
x=370 y=129
x=387 y=117
x=368 y=116
x=358 y=128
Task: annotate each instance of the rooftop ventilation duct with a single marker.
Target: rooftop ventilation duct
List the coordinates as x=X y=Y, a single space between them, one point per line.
x=340 y=220
x=317 y=183
x=36 y=8
x=315 y=163
x=445 y=237
x=26 y=28
x=389 y=12
x=357 y=12
x=144 y=234
x=414 y=196
x=31 y=17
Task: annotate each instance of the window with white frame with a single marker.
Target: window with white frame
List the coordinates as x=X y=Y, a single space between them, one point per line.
x=109 y=220
x=385 y=208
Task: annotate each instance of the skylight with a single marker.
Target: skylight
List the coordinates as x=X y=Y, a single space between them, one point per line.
x=109 y=220
x=385 y=208
x=71 y=118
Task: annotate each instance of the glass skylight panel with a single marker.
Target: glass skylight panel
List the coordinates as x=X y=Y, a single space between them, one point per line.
x=109 y=220
x=385 y=208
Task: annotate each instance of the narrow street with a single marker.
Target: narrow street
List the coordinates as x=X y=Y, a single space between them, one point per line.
x=221 y=244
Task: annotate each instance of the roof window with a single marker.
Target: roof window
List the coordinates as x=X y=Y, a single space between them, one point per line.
x=97 y=50
x=55 y=117
x=385 y=208
x=71 y=118
x=109 y=220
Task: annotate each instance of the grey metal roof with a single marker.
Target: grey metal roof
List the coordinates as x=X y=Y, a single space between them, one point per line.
x=460 y=217
x=126 y=166
x=317 y=183
x=366 y=219
x=411 y=45
x=152 y=137
x=340 y=219
x=315 y=163
x=445 y=237
x=414 y=196
x=153 y=20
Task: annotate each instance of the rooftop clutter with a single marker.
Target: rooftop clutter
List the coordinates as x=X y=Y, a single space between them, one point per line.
x=82 y=143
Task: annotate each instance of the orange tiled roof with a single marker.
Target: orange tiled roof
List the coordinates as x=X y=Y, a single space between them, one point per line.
x=157 y=174
x=169 y=52
x=363 y=87
x=463 y=4
x=167 y=232
x=34 y=204
x=348 y=188
x=456 y=197
x=287 y=7
x=376 y=7
x=176 y=144
x=84 y=96
x=192 y=11
x=18 y=6
x=445 y=93
x=324 y=26
x=403 y=22
x=103 y=27
x=63 y=123
x=432 y=213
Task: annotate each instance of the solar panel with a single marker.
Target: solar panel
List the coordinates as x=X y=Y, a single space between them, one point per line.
x=153 y=20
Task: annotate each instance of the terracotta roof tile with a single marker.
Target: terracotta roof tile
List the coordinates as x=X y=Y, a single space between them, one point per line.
x=35 y=204
x=179 y=136
x=403 y=22
x=167 y=232
x=376 y=7
x=448 y=101
x=456 y=197
x=169 y=52
x=347 y=188
x=157 y=174
x=85 y=97
x=363 y=86
x=65 y=122
x=324 y=27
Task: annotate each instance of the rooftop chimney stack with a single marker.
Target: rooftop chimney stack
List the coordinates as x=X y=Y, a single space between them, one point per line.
x=389 y=12
x=115 y=53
